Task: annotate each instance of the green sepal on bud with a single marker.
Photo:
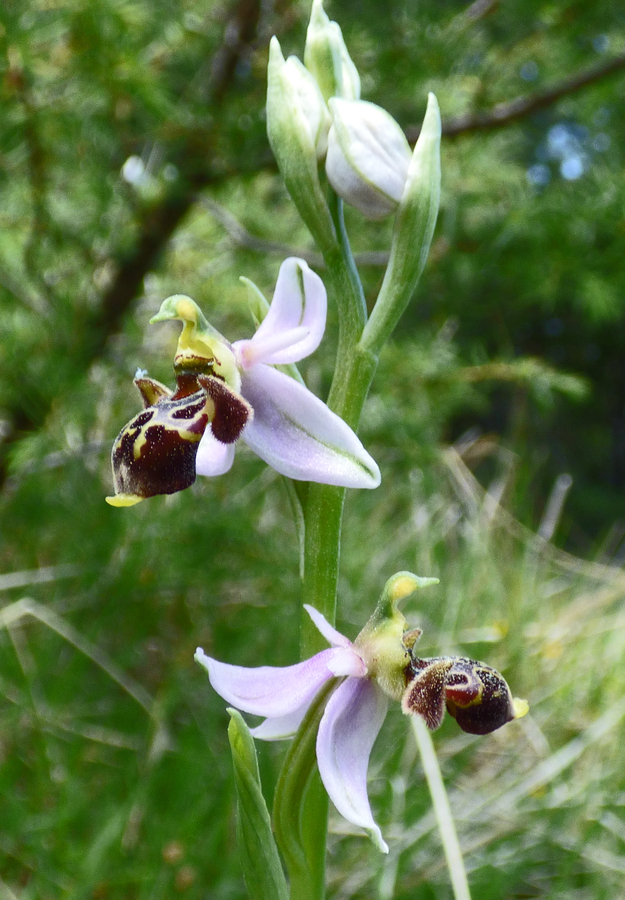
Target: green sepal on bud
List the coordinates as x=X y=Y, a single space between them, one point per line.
x=385 y=643
x=327 y=57
x=297 y=127
x=262 y=871
x=413 y=230
x=418 y=208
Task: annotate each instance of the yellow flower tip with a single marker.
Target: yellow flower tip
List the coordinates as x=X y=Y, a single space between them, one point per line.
x=179 y=306
x=124 y=499
x=405 y=583
x=402 y=586
x=520 y=707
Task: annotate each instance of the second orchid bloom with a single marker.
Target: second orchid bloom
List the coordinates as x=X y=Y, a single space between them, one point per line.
x=378 y=666
x=230 y=391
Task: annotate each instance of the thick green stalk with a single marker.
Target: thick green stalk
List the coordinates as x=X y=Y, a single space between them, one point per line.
x=350 y=384
x=323 y=515
x=324 y=507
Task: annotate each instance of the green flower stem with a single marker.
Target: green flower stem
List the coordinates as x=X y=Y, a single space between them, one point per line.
x=324 y=508
x=350 y=385
x=442 y=810
x=324 y=513
x=323 y=516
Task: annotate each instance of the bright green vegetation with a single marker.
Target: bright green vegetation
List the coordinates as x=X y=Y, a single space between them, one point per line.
x=506 y=373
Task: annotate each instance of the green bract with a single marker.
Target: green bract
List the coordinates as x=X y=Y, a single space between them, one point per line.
x=327 y=57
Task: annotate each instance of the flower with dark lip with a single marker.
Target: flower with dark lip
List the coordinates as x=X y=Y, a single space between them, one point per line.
x=230 y=391
x=373 y=669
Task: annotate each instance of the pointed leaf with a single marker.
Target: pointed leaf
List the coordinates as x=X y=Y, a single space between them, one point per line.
x=262 y=869
x=299 y=821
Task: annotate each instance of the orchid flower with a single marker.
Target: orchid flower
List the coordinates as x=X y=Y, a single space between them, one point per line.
x=377 y=666
x=230 y=391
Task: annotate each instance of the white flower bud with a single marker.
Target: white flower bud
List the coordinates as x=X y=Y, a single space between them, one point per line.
x=297 y=125
x=326 y=56
x=368 y=157
x=295 y=107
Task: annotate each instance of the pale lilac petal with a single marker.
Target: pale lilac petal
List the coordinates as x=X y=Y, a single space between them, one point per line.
x=296 y=434
x=270 y=691
x=332 y=636
x=346 y=661
x=299 y=300
x=213 y=457
x=350 y=724
x=257 y=350
x=281 y=727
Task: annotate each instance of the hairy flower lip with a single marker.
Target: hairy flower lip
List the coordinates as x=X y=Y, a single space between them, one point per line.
x=473 y=693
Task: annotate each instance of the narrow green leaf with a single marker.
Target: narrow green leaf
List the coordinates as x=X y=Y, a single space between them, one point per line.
x=262 y=870
x=300 y=805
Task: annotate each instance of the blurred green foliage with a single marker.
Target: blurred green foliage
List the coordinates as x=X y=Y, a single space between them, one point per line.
x=122 y=124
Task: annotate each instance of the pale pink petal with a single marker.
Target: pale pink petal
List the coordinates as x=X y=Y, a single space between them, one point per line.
x=280 y=727
x=256 y=350
x=296 y=434
x=213 y=457
x=299 y=300
x=346 y=661
x=343 y=661
x=350 y=724
x=270 y=691
x=332 y=636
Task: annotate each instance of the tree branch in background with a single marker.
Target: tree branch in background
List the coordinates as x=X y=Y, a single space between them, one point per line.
x=241 y=237
x=504 y=114
x=161 y=221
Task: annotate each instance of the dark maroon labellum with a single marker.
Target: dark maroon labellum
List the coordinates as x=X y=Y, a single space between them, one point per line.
x=477 y=696
x=155 y=452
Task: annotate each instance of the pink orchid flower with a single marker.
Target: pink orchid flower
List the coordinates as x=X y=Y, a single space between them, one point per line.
x=350 y=724
x=226 y=392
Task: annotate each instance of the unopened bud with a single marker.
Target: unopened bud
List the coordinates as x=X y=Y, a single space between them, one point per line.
x=297 y=127
x=327 y=57
x=368 y=157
